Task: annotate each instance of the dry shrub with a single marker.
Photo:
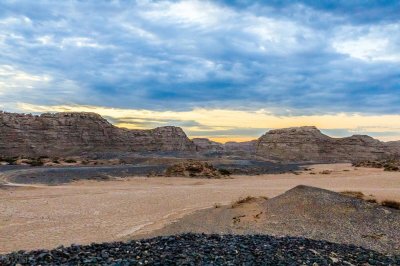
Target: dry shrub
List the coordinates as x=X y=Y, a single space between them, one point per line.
x=355 y=194
x=326 y=172
x=371 y=200
x=391 y=204
x=241 y=201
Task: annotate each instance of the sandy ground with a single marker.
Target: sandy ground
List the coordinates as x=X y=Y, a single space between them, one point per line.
x=37 y=216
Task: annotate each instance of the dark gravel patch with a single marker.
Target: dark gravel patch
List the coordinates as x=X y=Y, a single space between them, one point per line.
x=201 y=249
x=256 y=167
x=60 y=175
x=64 y=174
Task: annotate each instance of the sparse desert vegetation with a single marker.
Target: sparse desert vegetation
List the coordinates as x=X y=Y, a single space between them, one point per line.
x=392 y=165
x=391 y=204
x=355 y=194
x=359 y=195
x=326 y=172
x=242 y=201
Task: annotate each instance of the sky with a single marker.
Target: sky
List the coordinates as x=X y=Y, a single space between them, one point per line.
x=225 y=70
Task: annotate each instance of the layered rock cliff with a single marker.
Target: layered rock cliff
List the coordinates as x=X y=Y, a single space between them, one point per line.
x=204 y=144
x=244 y=149
x=74 y=133
x=309 y=144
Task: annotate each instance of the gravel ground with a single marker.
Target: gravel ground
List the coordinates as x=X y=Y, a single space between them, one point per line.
x=201 y=249
x=60 y=175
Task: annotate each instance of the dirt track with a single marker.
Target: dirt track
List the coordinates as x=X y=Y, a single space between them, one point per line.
x=91 y=211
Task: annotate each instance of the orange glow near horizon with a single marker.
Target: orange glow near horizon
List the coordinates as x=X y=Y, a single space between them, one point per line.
x=236 y=125
x=226 y=139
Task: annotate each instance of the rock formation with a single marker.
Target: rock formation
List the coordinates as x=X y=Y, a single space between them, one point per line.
x=193 y=169
x=74 y=133
x=244 y=147
x=309 y=144
x=63 y=134
x=229 y=148
x=205 y=144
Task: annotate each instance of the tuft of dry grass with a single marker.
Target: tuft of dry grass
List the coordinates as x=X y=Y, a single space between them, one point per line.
x=326 y=172
x=359 y=195
x=391 y=204
x=241 y=201
x=355 y=194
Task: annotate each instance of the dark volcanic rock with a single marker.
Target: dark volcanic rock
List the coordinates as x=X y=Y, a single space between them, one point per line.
x=309 y=144
x=74 y=133
x=196 y=249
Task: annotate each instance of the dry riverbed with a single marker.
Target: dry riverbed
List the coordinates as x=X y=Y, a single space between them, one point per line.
x=40 y=216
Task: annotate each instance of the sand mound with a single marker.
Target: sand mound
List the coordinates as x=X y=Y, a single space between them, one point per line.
x=302 y=211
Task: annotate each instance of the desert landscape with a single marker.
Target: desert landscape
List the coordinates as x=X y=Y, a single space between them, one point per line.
x=199 y=132
x=90 y=191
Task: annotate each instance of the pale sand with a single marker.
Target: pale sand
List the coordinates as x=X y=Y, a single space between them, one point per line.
x=91 y=211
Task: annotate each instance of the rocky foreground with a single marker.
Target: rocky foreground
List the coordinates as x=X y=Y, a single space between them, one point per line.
x=302 y=211
x=201 y=249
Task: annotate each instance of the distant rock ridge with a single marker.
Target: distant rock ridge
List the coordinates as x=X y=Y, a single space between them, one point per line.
x=204 y=144
x=309 y=144
x=244 y=146
x=74 y=133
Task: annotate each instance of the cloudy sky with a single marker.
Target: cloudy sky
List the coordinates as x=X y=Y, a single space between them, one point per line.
x=227 y=70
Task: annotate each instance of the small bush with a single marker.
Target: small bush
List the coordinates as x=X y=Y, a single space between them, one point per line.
x=391 y=204
x=355 y=194
x=241 y=201
x=371 y=200
x=325 y=172
x=56 y=161
x=70 y=161
x=10 y=160
x=224 y=172
x=391 y=168
x=36 y=163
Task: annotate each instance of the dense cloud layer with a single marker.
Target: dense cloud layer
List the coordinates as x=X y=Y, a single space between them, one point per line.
x=289 y=57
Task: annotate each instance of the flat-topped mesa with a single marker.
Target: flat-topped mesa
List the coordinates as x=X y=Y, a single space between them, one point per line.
x=309 y=144
x=73 y=133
